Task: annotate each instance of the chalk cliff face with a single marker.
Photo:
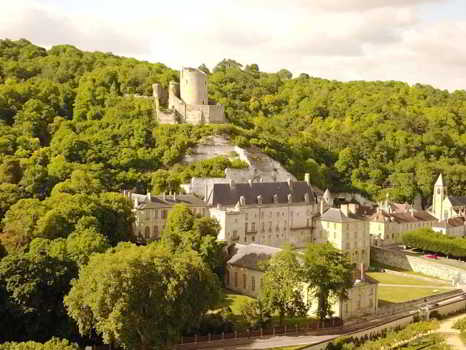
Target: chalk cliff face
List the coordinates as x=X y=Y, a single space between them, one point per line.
x=261 y=166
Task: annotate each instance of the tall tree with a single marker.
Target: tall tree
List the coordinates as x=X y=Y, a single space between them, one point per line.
x=282 y=288
x=329 y=275
x=142 y=297
x=35 y=284
x=183 y=230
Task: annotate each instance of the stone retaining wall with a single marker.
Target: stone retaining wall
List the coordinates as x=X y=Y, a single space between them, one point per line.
x=414 y=263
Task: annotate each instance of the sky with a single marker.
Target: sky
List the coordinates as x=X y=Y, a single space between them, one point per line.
x=416 y=41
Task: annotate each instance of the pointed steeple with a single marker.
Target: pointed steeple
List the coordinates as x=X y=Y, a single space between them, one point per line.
x=327 y=197
x=439 y=181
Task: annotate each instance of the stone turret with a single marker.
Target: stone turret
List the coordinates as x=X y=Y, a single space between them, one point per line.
x=188 y=100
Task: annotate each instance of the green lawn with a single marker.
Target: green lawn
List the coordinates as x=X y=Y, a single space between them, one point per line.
x=400 y=294
x=234 y=301
x=388 y=278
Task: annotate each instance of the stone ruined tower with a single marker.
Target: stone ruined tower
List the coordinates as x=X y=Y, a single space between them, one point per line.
x=173 y=93
x=156 y=92
x=193 y=87
x=440 y=192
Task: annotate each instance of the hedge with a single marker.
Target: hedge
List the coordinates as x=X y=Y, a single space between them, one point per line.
x=53 y=344
x=431 y=241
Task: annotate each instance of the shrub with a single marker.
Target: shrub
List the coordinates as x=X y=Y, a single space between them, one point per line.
x=460 y=324
x=53 y=344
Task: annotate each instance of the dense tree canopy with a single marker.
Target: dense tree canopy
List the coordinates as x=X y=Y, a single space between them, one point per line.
x=183 y=230
x=142 y=297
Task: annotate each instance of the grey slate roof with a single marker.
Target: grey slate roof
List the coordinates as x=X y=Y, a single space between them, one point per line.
x=457 y=201
x=169 y=201
x=335 y=215
x=249 y=256
x=229 y=194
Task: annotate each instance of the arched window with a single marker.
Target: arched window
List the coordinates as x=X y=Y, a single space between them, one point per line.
x=147 y=232
x=156 y=231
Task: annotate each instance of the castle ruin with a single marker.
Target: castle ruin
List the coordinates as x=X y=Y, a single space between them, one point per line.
x=187 y=101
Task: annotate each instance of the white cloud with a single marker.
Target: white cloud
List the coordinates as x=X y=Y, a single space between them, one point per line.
x=48 y=26
x=337 y=39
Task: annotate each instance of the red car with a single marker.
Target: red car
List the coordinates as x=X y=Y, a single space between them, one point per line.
x=431 y=256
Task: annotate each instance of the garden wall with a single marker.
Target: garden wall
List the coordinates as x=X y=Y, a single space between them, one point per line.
x=414 y=263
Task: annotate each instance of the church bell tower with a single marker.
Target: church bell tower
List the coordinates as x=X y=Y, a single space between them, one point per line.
x=438 y=198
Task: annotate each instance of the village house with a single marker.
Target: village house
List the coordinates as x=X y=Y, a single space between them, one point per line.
x=151 y=212
x=244 y=271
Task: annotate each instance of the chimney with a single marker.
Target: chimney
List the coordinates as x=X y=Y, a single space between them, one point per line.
x=290 y=198
x=164 y=196
x=307 y=178
x=289 y=182
x=321 y=207
x=149 y=198
x=250 y=182
x=344 y=209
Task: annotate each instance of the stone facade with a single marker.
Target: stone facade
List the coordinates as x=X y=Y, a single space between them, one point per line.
x=267 y=213
x=347 y=231
x=188 y=101
x=151 y=212
x=390 y=221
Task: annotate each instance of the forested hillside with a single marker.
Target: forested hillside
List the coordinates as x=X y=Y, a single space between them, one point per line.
x=70 y=127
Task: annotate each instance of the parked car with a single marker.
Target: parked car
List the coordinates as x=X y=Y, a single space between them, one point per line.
x=431 y=256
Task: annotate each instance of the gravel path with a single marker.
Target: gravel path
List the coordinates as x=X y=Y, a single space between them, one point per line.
x=452 y=335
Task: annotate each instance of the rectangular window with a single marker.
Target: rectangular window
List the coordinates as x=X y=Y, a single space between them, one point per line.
x=253 y=283
x=236 y=279
x=244 y=281
x=253 y=227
